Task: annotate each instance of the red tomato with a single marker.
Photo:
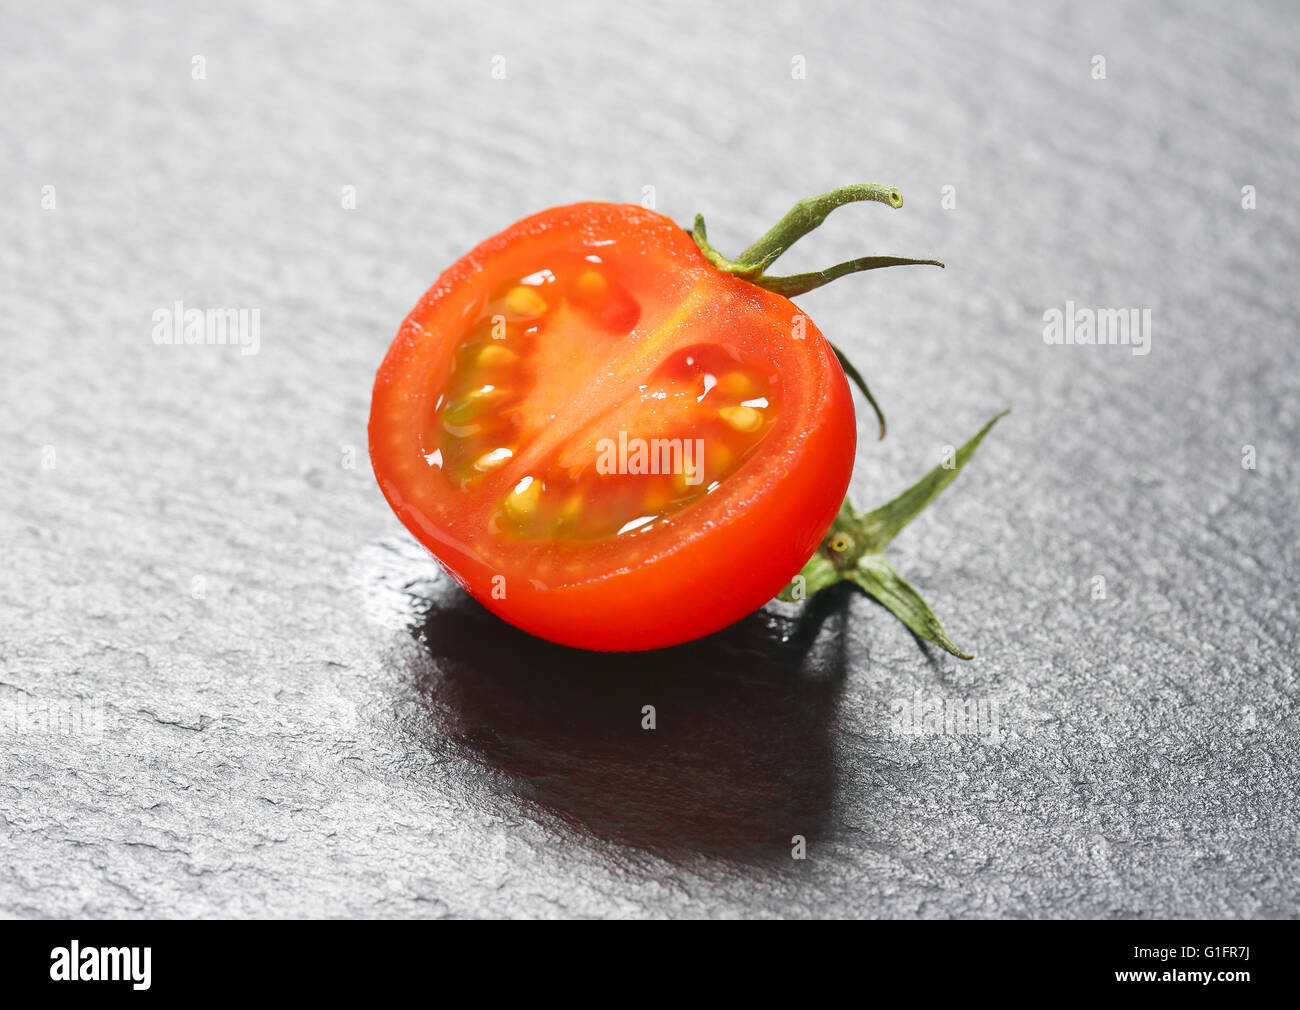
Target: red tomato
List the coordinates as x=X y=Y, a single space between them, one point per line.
x=604 y=439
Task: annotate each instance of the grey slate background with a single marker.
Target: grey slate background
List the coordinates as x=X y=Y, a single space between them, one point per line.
x=230 y=685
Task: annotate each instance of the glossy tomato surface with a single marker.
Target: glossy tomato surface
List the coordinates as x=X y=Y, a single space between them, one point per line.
x=605 y=440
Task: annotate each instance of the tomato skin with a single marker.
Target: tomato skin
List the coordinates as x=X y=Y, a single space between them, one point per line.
x=723 y=558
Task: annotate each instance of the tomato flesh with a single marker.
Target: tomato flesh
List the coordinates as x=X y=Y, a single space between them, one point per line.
x=605 y=440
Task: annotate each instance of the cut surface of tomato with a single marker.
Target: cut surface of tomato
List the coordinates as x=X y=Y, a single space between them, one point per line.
x=607 y=441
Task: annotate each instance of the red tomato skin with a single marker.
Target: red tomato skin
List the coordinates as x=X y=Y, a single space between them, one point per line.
x=715 y=571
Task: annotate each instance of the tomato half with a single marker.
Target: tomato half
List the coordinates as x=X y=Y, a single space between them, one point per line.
x=604 y=439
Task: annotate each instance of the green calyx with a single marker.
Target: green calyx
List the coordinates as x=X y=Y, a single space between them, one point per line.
x=853 y=551
x=806 y=215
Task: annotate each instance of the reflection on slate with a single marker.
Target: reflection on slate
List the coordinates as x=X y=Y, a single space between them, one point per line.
x=740 y=760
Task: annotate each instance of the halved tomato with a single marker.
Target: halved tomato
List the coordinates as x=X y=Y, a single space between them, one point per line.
x=605 y=439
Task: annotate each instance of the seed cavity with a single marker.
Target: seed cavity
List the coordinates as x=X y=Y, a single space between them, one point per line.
x=704 y=395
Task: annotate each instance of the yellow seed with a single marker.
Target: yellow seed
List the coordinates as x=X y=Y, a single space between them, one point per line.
x=658 y=497
x=741 y=418
x=688 y=480
x=571 y=509
x=492 y=460
x=495 y=356
x=522 y=501
x=461 y=430
x=591 y=285
x=525 y=302
x=473 y=403
x=720 y=458
x=735 y=385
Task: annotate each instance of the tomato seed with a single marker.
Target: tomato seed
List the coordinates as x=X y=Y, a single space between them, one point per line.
x=492 y=460
x=744 y=419
x=525 y=303
x=495 y=356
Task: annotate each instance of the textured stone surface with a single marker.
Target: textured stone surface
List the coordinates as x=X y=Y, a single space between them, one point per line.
x=232 y=686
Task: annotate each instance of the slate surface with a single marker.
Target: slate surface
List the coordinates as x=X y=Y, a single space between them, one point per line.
x=232 y=686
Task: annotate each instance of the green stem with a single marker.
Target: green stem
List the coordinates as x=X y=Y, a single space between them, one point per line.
x=798 y=284
x=809 y=213
x=806 y=215
x=853 y=551
x=856 y=378
x=803 y=217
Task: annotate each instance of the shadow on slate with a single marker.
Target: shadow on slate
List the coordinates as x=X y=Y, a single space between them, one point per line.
x=740 y=760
